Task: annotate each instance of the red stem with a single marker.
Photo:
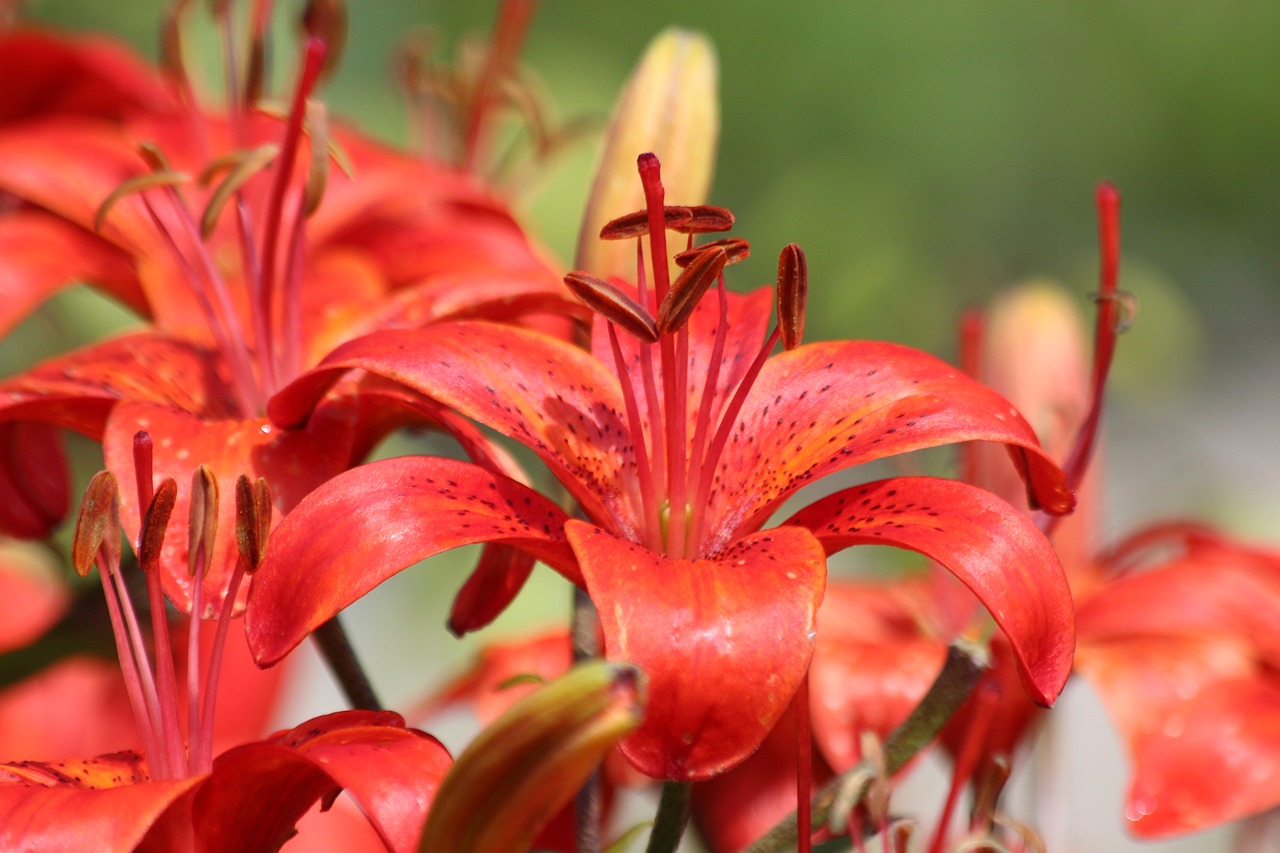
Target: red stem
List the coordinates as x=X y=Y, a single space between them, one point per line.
x=804 y=768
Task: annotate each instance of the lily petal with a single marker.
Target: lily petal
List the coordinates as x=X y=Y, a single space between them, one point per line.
x=827 y=406
x=994 y=549
x=725 y=642
x=292 y=461
x=876 y=657
x=367 y=524
x=36 y=798
x=43 y=254
x=52 y=73
x=549 y=395
x=1218 y=760
x=79 y=390
x=392 y=772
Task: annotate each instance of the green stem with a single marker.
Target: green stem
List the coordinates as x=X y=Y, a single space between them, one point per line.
x=948 y=692
x=336 y=648
x=673 y=815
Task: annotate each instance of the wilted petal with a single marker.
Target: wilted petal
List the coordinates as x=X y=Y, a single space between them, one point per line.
x=367 y=524
x=994 y=549
x=725 y=641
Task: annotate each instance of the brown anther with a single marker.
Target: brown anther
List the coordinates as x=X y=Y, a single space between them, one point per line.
x=154 y=157
x=318 y=171
x=171 y=61
x=637 y=224
x=736 y=249
x=253 y=520
x=249 y=164
x=707 y=219
x=687 y=290
x=202 y=522
x=327 y=21
x=154 y=524
x=141 y=183
x=793 y=293
x=615 y=306
x=98 y=525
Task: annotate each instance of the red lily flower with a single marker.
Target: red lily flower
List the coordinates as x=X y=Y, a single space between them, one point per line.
x=1175 y=626
x=678 y=453
x=177 y=796
x=237 y=303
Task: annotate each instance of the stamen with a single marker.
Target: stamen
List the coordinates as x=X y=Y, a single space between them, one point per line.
x=689 y=288
x=97 y=525
x=242 y=166
x=613 y=304
x=792 y=294
x=736 y=249
x=313 y=62
x=638 y=223
x=703 y=423
x=707 y=219
x=508 y=38
x=202 y=529
x=150 y=545
x=1107 y=199
x=142 y=468
x=985 y=702
x=644 y=471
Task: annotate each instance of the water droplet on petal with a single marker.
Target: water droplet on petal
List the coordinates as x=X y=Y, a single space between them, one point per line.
x=1139 y=808
x=265 y=429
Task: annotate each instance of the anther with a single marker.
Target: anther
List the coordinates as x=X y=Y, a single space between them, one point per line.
x=636 y=224
x=793 y=293
x=155 y=523
x=736 y=249
x=98 y=525
x=613 y=304
x=202 y=524
x=687 y=290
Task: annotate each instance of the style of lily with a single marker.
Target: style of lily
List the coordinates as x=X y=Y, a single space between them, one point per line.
x=678 y=435
x=245 y=277
x=176 y=795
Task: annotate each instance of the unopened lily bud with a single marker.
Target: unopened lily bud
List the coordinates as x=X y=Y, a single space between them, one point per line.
x=98 y=525
x=202 y=523
x=670 y=106
x=613 y=304
x=155 y=523
x=1035 y=353
x=524 y=767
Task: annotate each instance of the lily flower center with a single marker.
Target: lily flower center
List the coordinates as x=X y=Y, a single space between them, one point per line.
x=253 y=314
x=174 y=750
x=679 y=436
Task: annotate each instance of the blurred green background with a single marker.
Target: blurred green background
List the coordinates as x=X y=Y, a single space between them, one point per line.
x=926 y=154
